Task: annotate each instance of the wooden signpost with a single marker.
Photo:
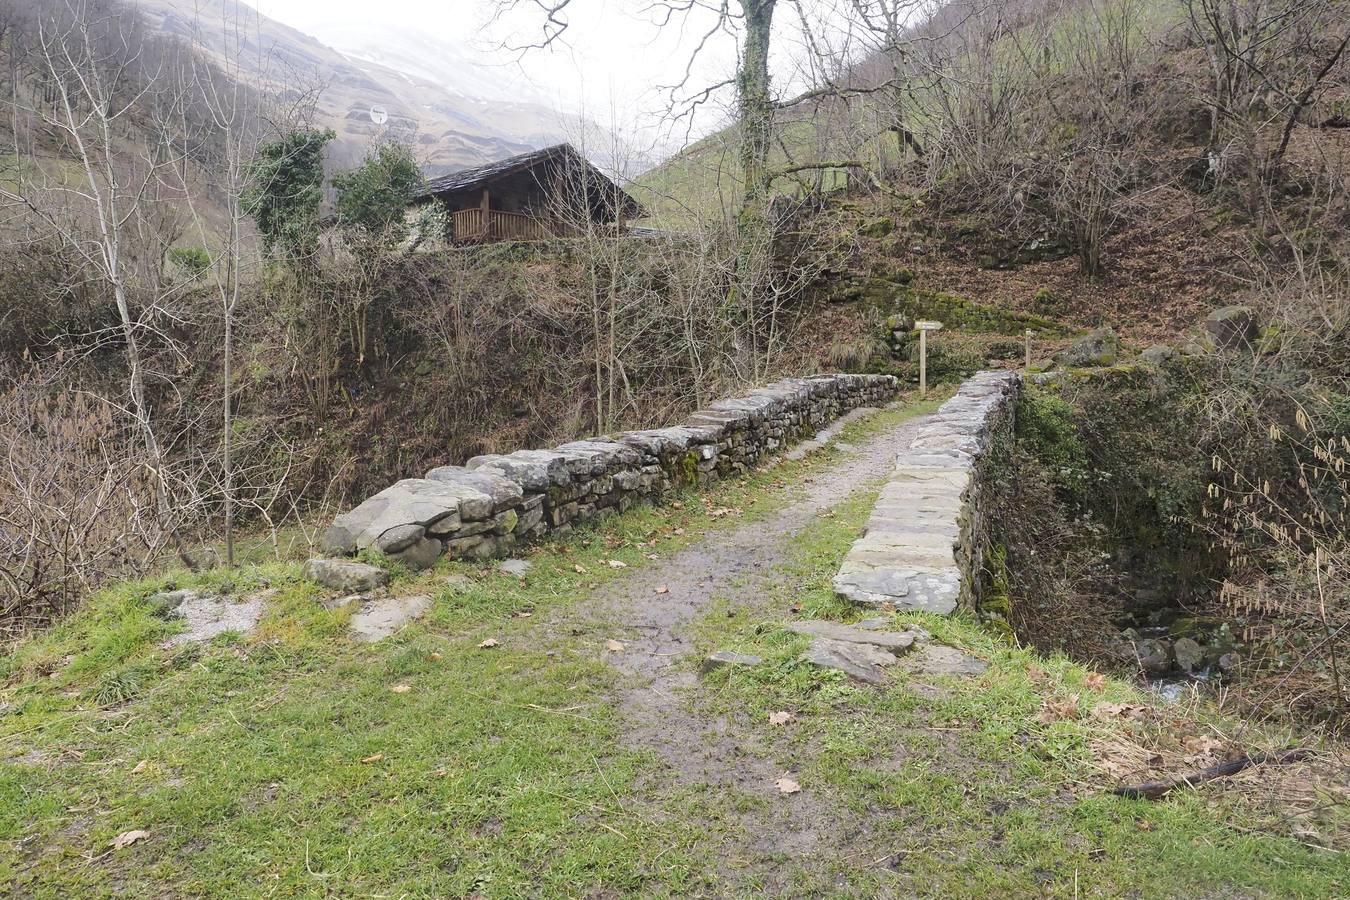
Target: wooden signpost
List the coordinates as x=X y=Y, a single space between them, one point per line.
x=923 y=327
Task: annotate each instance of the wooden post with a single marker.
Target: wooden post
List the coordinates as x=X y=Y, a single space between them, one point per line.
x=923 y=328
x=486 y=207
x=923 y=363
x=1028 y=349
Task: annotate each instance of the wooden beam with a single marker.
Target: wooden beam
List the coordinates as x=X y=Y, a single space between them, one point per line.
x=486 y=207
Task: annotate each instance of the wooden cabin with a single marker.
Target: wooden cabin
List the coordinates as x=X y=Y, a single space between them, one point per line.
x=546 y=193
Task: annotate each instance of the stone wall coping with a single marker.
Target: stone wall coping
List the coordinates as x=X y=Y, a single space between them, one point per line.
x=923 y=545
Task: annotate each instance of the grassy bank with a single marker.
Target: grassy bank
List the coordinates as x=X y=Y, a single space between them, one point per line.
x=478 y=751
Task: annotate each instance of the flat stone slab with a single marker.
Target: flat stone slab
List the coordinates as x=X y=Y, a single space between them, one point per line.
x=380 y=618
x=940 y=660
x=893 y=641
x=724 y=658
x=905 y=589
x=206 y=617
x=863 y=662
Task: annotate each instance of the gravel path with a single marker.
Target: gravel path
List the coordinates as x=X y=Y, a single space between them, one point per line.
x=712 y=755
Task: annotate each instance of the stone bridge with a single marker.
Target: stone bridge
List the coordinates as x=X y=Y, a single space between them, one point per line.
x=923 y=547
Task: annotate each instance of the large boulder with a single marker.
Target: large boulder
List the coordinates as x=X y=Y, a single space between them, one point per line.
x=1189 y=654
x=1232 y=326
x=399 y=516
x=1155 y=657
x=1096 y=348
x=346 y=577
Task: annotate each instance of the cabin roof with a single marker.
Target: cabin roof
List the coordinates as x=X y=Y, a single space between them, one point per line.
x=478 y=176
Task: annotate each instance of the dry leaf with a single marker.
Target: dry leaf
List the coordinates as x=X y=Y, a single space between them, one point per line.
x=1118 y=711
x=1202 y=744
x=1035 y=673
x=653 y=556
x=435 y=656
x=1095 y=681
x=401 y=688
x=780 y=718
x=579 y=569
x=376 y=757
x=678 y=504
x=490 y=642
x=786 y=785
x=523 y=615
x=127 y=838
x=1143 y=824
x=617 y=564
x=613 y=646
x=1053 y=710
x=140 y=767
x=663 y=590
x=678 y=531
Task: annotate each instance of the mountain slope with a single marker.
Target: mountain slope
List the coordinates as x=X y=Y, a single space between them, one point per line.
x=452 y=124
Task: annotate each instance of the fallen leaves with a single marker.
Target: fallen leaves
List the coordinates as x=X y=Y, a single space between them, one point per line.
x=435 y=656
x=780 y=718
x=617 y=564
x=127 y=838
x=1055 y=709
x=1095 y=681
x=579 y=569
x=489 y=644
x=663 y=590
x=786 y=785
x=1202 y=745
x=401 y=688
x=373 y=758
x=140 y=767
x=614 y=646
x=723 y=511
x=1108 y=710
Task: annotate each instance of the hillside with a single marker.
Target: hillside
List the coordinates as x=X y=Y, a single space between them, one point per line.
x=997 y=216
x=448 y=112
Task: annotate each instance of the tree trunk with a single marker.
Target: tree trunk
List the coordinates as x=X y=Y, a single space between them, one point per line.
x=756 y=123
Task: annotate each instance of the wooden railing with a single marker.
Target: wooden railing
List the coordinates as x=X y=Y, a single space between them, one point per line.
x=467 y=226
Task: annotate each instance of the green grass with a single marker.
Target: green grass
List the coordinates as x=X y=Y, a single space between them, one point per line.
x=284 y=763
x=969 y=794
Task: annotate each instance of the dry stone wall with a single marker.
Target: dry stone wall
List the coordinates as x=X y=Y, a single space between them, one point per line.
x=491 y=504
x=924 y=545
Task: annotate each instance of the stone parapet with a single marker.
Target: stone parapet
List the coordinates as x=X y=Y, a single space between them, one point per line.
x=924 y=545
x=489 y=505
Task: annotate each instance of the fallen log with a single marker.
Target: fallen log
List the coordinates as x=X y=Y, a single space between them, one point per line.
x=1152 y=790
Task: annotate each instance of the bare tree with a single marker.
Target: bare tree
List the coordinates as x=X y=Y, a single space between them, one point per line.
x=101 y=76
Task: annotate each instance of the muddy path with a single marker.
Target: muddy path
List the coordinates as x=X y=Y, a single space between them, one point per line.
x=715 y=758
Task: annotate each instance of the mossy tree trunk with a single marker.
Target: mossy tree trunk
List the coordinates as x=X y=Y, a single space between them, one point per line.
x=756 y=112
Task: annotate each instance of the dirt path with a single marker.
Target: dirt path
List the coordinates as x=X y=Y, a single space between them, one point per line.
x=714 y=756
